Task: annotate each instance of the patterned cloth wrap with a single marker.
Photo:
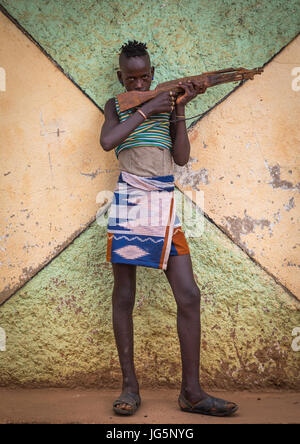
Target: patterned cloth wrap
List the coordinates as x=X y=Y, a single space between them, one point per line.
x=143 y=228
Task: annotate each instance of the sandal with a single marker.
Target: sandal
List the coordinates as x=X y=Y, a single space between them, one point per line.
x=208 y=406
x=131 y=399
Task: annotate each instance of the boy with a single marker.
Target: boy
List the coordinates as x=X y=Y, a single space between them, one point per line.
x=147 y=144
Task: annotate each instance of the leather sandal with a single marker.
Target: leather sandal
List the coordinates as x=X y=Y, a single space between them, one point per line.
x=208 y=406
x=131 y=399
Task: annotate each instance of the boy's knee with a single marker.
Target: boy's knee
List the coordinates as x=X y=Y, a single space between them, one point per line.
x=190 y=298
x=124 y=298
x=195 y=295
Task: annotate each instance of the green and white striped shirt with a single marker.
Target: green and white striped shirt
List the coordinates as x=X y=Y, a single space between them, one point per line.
x=153 y=131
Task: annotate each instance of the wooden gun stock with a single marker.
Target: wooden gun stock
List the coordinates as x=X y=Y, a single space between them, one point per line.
x=132 y=99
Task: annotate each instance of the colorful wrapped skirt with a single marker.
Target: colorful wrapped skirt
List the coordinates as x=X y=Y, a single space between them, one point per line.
x=143 y=228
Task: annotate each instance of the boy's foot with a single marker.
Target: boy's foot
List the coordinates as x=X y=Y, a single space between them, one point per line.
x=207 y=405
x=127 y=403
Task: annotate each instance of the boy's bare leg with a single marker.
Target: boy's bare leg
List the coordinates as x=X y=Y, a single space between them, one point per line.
x=187 y=295
x=123 y=303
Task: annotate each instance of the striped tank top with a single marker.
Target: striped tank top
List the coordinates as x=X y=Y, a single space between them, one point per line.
x=153 y=131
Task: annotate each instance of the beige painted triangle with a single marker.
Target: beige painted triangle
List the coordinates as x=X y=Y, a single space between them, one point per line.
x=51 y=167
x=245 y=158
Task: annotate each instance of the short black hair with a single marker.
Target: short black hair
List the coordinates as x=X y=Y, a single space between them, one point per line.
x=134 y=48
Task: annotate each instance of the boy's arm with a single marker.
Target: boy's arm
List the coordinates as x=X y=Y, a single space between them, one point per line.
x=181 y=145
x=113 y=132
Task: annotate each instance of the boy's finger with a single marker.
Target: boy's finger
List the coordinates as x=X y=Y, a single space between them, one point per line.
x=185 y=85
x=191 y=86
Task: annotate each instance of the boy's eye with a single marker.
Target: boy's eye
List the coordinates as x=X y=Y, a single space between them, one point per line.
x=132 y=78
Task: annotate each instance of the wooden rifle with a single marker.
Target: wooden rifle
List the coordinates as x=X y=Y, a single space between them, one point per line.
x=131 y=99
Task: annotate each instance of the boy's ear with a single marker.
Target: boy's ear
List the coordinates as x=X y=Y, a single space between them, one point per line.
x=152 y=71
x=119 y=74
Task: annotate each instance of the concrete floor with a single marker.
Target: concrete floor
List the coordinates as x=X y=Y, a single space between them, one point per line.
x=56 y=406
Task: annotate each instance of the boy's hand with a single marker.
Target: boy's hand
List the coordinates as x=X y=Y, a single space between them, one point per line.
x=163 y=102
x=192 y=89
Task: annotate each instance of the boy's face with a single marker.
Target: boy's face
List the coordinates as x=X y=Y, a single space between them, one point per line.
x=136 y=73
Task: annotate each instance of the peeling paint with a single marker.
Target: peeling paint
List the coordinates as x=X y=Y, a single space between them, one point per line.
x=186 y=176
x=277 y=182
x=238 y=227
x=94 y=174
x=290 y=204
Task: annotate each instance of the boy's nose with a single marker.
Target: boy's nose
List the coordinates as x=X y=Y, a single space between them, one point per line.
x=139 y=84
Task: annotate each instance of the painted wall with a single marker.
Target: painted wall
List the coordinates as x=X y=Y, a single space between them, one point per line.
x=51 y=162
x=252 y=190
x=56 y=285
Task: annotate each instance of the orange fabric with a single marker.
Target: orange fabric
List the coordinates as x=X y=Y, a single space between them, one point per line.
x=109 y=244
x=180 y=242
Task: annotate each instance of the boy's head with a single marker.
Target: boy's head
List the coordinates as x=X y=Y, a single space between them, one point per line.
x=136 y=72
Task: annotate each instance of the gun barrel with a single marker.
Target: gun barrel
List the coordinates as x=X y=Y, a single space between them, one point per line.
x=212 y=78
